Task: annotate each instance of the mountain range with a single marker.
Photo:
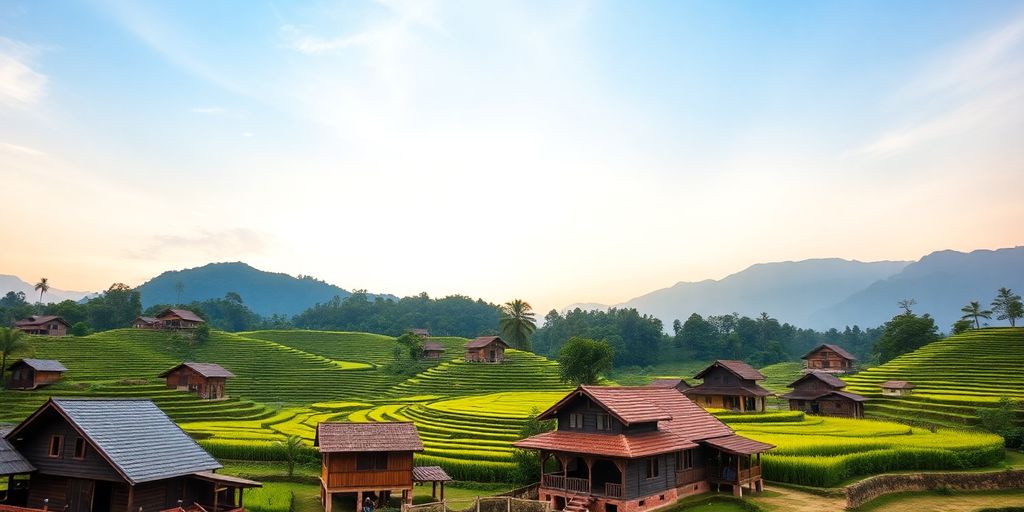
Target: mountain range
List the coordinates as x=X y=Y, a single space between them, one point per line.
x=824 y=293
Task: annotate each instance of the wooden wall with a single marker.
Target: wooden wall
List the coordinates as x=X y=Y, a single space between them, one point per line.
x=339 y=472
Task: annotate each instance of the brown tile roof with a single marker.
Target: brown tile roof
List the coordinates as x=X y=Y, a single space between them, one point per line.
x=738 y=445
x=430 y=474
x=628 y=404
x=852 y=396
x=627 y=446
x=827 y=378
x=835 y=348
x=37 y=320
x=705 y=390
x=148 y=319
x=433 y=346
x=796 y=395
x=183 y=314
x=738 y=368
x=205 y=369
x=668 y=383
x=334 y=437
x=897 y=384
x=483 y=341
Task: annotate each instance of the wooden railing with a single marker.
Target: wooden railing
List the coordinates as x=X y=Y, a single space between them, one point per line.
x=11 y=508
x=354 y=479
x=613 y=490
x=688 y=476
x=744 y=475
x=571 y=484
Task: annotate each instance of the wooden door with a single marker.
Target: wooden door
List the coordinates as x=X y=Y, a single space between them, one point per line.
x=79 y=495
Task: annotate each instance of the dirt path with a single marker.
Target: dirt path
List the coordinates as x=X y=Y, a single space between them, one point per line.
x=783 y=499
x=786 y=500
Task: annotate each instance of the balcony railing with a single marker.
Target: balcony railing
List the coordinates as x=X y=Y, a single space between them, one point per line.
x=613 y=490
x=730 y=475
x=580 y=485
x=688 y=476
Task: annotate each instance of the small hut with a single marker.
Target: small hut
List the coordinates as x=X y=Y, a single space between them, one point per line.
x=43 y=325
x=822 y=393
x=146 y=322
x=32 y=373
x=828 y=358
x=729 y=384
x=433 y=350
x=677 y=384
x=207 y=380
x=897 y=388
x=179 y=319
x=486 y=349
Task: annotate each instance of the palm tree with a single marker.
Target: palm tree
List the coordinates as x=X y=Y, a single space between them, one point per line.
x=973 y=310
x=517 y=323
x=42 y=287
x=292 y=450
x=11 y=340
x=1008 y=305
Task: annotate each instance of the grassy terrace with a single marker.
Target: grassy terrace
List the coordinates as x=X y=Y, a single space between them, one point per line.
x=523 y=371
x=954 y=377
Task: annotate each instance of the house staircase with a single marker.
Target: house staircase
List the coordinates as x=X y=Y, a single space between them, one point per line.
x=579 y=503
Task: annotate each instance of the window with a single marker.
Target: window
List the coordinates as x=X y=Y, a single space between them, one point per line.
x=684 y=459
x=79 y=448
x=652 y=467
x=604 y=422
x=56 y=444
x=575 y=420
x=371 y=461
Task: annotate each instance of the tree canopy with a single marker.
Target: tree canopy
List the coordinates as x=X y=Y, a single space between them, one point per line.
x=583 y=361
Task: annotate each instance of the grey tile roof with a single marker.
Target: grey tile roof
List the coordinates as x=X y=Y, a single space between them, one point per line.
x=137 y=437
x=204 y=369
x=11 y=462
x=43 y=365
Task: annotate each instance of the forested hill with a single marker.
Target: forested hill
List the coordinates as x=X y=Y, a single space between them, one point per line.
x=265 y=293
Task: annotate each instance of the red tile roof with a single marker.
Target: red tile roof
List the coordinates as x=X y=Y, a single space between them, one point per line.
x=483 y=341
x=738 y=445
x=835 y=348
x=430 y=474
x=827 y=378
x=705 y=390
x=897 y=384
x=668 y=383
x=368 y=437
x=737 y=368
x=631 y=446
x=628 y=404
x=183 y=314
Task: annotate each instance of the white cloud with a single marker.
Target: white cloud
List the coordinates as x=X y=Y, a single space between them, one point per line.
x=19 y=83
x=209 y=110
x=7 y=147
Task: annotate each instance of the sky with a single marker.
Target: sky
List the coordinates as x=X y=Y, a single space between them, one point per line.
x=557 y=152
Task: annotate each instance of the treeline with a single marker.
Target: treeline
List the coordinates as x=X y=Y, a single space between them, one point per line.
x=114 y=308
x=455 y=315
x=637 y=340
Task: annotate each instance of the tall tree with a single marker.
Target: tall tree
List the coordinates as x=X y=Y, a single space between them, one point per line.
x=1008 y=306
x=582 y=361
x=905 y=333
x=974 y=311
x=517 y=323
x=179 y=288
x=42 y=287
x=11 y=341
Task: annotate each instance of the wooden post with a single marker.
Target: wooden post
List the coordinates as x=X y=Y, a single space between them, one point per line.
x=442 y=492
x=329 y=502
x=433 y=490
x=359 y=501
x=216 y=494
x=742 y=402
x=590 y=473
x=241 y=498
x=131 y=497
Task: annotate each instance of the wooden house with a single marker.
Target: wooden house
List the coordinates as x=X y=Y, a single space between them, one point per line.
x=433 y=350
x=676 y=384
x=117 y=455
x=822 y=393
x=422 y=333
x=179 y=319
x=629 y=449
x=207 y=380
x=32 y=373
x=363 y=459
x=729 y=385
x=12 y=465
x=897 y=388
x=486 y=349
x=43 y=325
x=829 y=358
x=146 y=322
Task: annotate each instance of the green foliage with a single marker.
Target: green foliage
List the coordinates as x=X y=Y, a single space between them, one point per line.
x=583 y=361
x=11 y=341
x=1000 y=420
x=1008 y=306
x=292 y=452
x=527 y=462
x=960 y=326
x=201 y=334
x=974 y=312
x=80 y=329
x=904 y=333
x=413 y=345
x=636 y=339
x=517 y=323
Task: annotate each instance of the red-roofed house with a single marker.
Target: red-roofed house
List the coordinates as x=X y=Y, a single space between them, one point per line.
x=179 y=319
x=207 y=380
x=43 y=325
x=486 y=349
x=822 y=393
x=829 y=358
x=628 y=449
x=729 y=385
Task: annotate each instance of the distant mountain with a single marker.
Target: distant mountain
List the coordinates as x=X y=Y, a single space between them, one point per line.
x=790 y=291
x=266 y=293
x=941 y=283
x=10 y=283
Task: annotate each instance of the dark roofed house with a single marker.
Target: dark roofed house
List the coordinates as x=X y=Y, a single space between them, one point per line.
x=179 y=319
x=729 y=385
x=638 y=448
x=146 y=322
x=32 y=373
x=677 y=384
x=433 y=350
x=207 y=380
x=822 y=393
x=486 y=349
x=829 y=358
x=897 y=388
x=366 y=458
x=43 y=325
x=115 y=455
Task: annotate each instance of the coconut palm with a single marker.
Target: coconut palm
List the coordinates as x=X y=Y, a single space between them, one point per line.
x=974 y=311
x=42 y=287
x=517 y=323
x=11 y=340
x=1008 y=306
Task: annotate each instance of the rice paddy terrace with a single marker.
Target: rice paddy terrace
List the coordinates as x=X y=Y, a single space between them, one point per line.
x=954 y=377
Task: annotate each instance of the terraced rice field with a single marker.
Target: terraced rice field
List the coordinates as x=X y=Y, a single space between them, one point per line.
x=954 y=377
x=522 y=371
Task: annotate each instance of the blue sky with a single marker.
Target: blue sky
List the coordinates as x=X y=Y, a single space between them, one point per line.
x=553 y=151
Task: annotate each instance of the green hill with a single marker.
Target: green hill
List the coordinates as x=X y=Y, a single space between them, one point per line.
x=522 y=371
x=953 y=378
